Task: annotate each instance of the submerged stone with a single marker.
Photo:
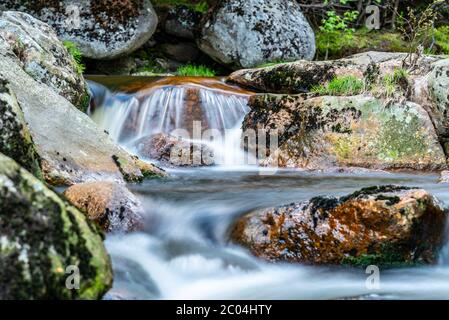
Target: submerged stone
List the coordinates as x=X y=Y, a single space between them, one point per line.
x=385 y=226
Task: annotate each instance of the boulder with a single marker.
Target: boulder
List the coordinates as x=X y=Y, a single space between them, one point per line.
x=44 y=241
x=174 y=151
x=301 y=76
x=42 y=56
x=100 y=29
x=182 y=22
x=70 y=147
x=109 y=204
x=247 y=33
x=355 y=131
x=15 y=138
x=385 y=226
x=438 y=90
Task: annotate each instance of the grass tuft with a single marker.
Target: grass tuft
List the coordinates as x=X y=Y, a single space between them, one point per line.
x=341 y=86
x=77 y=56
x=195 y=71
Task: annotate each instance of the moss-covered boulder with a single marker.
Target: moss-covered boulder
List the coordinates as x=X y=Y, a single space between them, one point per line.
x=301 y=76
x=44 y=241
x=15 y=138
x=109 y=204
x=356 y=131
x=43 y=57
x=385 y=226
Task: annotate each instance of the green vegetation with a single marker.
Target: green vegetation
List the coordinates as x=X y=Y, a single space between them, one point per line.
x=197 y=6
x=389 y=257
x=77 y=56
x=195 y=71
x=389 y=84
x=336 y=26
x=391 y=81
x=441 y=38
x=360 y=40
x=341 y=86
x=151 y=66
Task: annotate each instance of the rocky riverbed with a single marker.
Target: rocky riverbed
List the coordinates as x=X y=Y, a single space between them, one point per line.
x=358 y=175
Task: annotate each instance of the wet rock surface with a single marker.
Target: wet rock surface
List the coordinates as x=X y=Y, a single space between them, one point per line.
x=41 y=236
x=248 y=33
x=101 y=29
x=356 y=131
x=174 y=151
x=109 y=204
x=385 y=226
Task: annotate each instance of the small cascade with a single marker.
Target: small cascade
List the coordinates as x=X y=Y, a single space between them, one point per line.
x=203 y=111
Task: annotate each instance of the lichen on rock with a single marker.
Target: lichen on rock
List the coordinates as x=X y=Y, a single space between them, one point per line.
x=41 y=238
x=15 y=138
x=357 y=131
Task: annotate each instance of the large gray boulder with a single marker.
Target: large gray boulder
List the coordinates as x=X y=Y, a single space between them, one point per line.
x=43 y=241
x=42 y=56
x=247 y=33
x=101 y=29
x=70 y=147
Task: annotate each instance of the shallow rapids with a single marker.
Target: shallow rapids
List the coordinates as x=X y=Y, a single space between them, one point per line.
x=184 y=251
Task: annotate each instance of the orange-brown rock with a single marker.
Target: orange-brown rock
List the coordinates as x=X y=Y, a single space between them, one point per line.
x=109 y=204
x=386 y=226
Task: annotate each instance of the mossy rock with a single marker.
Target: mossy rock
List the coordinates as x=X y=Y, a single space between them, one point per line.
x=15 y=139
x=340 y=132
x=41 y=236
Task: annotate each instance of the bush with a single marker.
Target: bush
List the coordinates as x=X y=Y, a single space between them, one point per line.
x=341 y=86
x=195 y=71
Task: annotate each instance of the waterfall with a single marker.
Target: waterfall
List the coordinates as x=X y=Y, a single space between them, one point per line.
x=202 y=111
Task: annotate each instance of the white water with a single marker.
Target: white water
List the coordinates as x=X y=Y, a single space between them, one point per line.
x=163 y=109
x=183 y=252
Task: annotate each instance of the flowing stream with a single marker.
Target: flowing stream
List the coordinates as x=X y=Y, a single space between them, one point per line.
x=184 y=253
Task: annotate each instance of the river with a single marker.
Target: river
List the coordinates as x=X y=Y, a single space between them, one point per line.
x=184 y=252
